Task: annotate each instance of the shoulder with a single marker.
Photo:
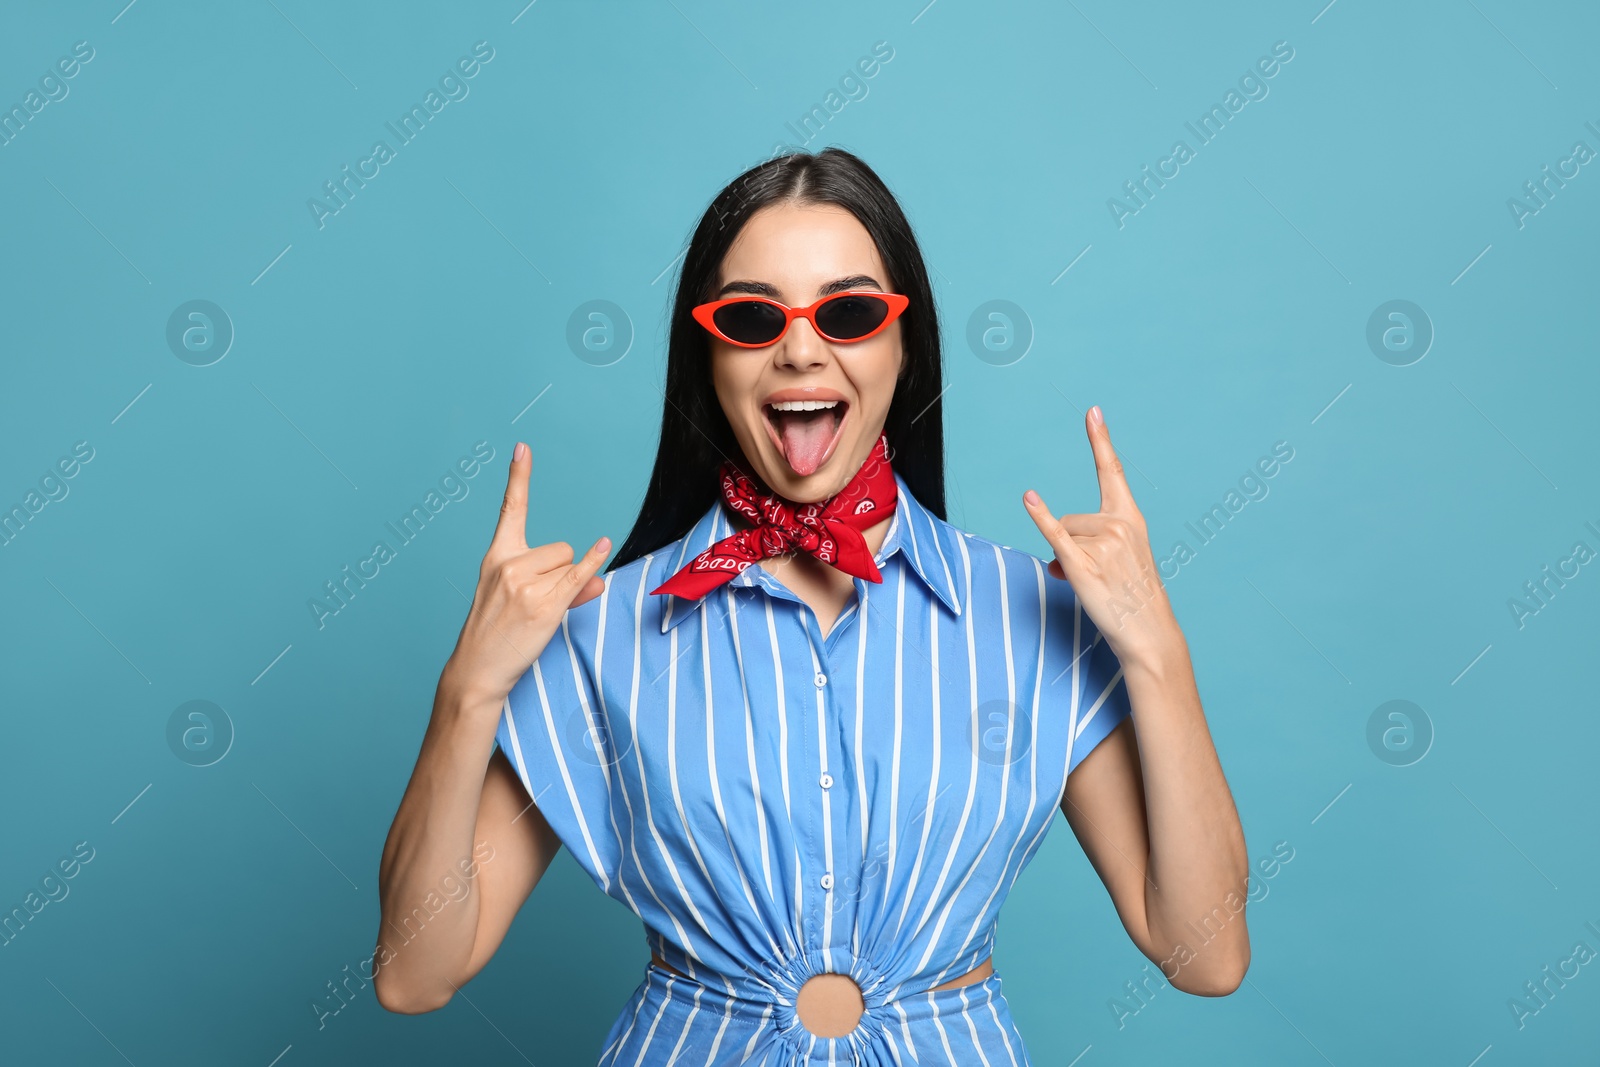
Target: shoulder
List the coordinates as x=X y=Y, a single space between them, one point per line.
x=985 y=553
x=626 y=606
x=1030 y=588
x=627 y=588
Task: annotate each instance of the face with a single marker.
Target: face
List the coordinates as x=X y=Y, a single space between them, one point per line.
x=796 y=254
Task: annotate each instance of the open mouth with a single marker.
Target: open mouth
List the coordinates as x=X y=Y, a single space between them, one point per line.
x=805 y=431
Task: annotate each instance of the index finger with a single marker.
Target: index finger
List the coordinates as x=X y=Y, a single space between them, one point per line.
x=512 y=531
x=1115 y=495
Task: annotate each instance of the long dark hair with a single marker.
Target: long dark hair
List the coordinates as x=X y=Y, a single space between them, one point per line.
x=695 y=435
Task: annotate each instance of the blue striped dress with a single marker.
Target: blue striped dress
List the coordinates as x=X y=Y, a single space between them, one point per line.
x=774 y=803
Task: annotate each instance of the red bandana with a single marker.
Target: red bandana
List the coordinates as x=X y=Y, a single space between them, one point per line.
x=830 y=531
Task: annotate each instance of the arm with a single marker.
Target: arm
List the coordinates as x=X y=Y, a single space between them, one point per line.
x=1150 y=804
x=465 y=815
x=456 y=816
x=1155 y=816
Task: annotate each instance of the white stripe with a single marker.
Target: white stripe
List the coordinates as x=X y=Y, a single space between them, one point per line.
x=674 y=601
x=949 y=1053
x=633 y=822
x=622 y=1039
x=894 y=764
x=933 y=523
x=605 y=708
x=688 y=1027
x=1001 y=1027
x=649 y=1037
x=1005 y=781
x=783 y=715
x=1004 y=881
x=727 y=1017
x=561 y=759
x=933 y=777
x=750 y=751
x=949 y=580
x=966 y=1014
x=894 y=1047
x=916 y=552
x=905 y=1028
x=578 y=679
x=766 y=1013
x=516 y=743
x=672 y=774
x=783 y=760
x=824 y=738
x=1073 y=728
x=972 y=774
x=1101 y=699
x=862 y=804
x=711 y=769
x=1060 y=801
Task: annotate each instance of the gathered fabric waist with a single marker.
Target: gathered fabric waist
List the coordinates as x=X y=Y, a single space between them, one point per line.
x=708 y=1016
x=775 y=983
x=977 y=974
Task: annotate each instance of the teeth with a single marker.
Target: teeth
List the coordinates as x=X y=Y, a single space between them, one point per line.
x=804 y=405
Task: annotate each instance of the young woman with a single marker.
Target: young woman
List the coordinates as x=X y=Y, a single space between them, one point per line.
x=804 y=728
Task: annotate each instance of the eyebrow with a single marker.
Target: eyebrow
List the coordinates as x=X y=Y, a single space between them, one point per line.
x=838 y=285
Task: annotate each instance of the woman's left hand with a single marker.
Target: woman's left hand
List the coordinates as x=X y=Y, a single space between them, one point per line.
x=1106 y=556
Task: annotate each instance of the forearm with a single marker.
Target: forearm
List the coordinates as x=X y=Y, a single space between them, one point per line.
x=1198 y=867
x=425 y=953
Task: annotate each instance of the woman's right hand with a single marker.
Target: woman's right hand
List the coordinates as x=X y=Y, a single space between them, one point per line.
x=521 y=597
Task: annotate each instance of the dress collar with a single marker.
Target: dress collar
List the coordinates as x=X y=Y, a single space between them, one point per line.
x=927 y=542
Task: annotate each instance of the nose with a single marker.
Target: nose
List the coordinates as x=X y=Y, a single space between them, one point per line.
x=801 y=348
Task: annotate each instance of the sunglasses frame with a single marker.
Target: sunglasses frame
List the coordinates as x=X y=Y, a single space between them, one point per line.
x=704 y=315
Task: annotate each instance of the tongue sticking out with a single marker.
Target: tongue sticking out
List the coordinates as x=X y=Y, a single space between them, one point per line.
x=805 y=436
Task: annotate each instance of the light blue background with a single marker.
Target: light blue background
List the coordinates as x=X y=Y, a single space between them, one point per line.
x=1229 y=314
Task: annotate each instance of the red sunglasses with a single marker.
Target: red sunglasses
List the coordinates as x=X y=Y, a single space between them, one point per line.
x=756 y=321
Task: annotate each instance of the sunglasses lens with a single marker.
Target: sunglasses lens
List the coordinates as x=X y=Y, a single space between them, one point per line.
x=750 y=322
x=851 y=316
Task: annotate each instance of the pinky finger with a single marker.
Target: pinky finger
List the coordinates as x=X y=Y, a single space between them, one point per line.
x=1068 y=554
x=585 y=569
x=591 y=589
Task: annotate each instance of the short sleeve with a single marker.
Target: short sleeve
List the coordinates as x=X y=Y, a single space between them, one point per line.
x=1082 y=676
x=554 y=732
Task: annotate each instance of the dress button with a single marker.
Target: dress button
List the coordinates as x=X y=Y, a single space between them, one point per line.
x=822 y=679
x=827 y=881
x=826 y=780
